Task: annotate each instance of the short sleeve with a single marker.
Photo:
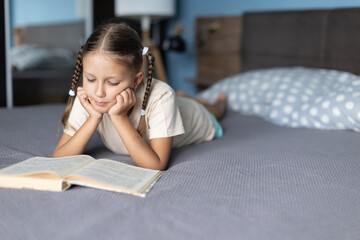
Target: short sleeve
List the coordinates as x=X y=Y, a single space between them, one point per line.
x=164 y=119
x=77 y=118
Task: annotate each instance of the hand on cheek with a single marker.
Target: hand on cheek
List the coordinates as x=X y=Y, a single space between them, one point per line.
x=85 y=102
x=124 y=102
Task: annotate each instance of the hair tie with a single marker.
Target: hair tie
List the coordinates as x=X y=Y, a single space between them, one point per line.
x=72 y=93
x=142 y=112
x=145 y=50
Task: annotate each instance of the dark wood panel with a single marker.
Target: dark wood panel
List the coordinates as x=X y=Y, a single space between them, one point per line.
x=219 y=35
x=311 y=38
x=215 y=67
x=218 y=46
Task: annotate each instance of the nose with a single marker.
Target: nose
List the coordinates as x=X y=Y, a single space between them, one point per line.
x=100 y=90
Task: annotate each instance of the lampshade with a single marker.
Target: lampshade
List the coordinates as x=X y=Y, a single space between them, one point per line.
x=146 y=10
x=140 y=8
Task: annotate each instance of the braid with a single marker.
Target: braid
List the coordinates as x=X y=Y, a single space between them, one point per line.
x=74 y=83
x=142 y=124
x=149 y=79
x=77 y=70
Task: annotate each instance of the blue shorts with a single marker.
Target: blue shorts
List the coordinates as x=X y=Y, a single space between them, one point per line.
x=217 y=126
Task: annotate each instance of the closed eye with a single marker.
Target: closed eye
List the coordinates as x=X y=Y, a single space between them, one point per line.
x=91 y=80
x=113 y=83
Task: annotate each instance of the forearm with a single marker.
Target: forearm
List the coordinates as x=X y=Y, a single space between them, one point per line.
x=77 y=143
x=140 y=151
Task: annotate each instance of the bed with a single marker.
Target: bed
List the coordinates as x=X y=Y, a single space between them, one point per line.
x=262 y=180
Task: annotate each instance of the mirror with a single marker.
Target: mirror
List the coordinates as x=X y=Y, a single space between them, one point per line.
x=46 y=36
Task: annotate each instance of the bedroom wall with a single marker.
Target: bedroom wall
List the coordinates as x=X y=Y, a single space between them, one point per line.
x=182 y=66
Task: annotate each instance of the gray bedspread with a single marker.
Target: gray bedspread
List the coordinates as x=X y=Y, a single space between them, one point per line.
x=259 y=181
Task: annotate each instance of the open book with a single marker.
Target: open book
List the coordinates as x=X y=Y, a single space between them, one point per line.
x=58 y=174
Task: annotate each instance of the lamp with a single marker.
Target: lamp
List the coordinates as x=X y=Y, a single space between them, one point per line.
x=147 y=10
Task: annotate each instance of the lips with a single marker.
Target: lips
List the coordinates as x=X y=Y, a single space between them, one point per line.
x=100 y=103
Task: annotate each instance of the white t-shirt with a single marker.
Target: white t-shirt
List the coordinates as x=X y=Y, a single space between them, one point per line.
x=166 y=116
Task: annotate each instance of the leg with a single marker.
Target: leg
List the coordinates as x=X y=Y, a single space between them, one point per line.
x=217 y=108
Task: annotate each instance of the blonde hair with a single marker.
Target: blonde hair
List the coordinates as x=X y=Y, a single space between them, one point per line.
x=122 y=43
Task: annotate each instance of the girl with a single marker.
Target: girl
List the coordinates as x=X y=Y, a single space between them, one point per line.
x=144 y=120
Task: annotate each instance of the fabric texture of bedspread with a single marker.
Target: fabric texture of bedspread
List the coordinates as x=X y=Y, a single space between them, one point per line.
x=259 y=181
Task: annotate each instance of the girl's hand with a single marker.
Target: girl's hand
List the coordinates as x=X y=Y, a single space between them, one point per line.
x=85 y=102
x=124 y=102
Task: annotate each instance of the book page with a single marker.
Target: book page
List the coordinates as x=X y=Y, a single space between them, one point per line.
x=60 y=166
x=118 y=175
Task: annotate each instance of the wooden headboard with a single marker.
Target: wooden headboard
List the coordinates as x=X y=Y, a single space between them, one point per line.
x=67 y=35
x=311 y=38
x=218 y=47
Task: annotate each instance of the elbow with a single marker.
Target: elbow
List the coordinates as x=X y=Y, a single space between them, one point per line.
x=160 y=167
x=161 y=164
x=154 y=165
x=56 y=155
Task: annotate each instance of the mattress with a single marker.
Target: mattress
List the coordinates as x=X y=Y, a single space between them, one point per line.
x=259 y=181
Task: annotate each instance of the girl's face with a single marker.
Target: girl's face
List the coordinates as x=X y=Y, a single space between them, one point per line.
x=104 y=78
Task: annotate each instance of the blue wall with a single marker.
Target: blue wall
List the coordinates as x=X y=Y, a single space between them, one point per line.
x=38 y=12
x=182 y=66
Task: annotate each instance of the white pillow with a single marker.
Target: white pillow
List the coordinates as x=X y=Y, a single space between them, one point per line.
x=295 y=97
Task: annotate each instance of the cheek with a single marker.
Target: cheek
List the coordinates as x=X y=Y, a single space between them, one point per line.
x=87 y=88
x=118 y=89
x=113 y=92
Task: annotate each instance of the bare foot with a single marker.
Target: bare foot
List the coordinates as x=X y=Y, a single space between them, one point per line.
x=222 y=97
x=220 y=105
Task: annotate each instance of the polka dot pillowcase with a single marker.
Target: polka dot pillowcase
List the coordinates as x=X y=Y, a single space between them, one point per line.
x=294 y=97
